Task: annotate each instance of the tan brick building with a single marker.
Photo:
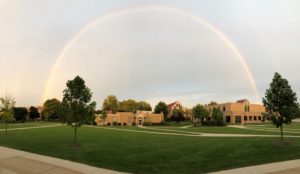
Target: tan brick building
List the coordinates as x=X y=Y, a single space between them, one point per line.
x=178 y=106
x=240 y=112
x=129 y=118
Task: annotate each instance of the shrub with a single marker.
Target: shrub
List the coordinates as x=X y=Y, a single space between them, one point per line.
x=147 y=124
x=108 y=124
x=133 y=124
x=119 y=124
x=214 y=123
x=124 y=124
x=114 y=123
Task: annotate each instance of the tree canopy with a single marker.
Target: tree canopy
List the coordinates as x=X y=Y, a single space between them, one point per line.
x=200 y=113
x=33 y=113
x=161 y=107
x=280 y=102
x=20 y=113
x=51 y=109
x=131 y=105
x=6 y=109
x=111 y=103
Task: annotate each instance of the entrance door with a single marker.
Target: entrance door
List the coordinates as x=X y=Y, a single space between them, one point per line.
x=227 y=119
x=140 y=122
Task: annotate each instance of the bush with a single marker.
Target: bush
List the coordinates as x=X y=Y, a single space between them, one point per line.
x=119 y=124
x=108 y=124
x=147 y=124
x=124 y=124
x=133 y=124
x=114 y=123
x=214 y=123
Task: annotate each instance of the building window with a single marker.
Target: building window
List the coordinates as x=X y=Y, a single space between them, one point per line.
x=245 y=118
x=250 y=118
x=255 y=118
x=259 y=118
x=224 y=109
x=247 y=107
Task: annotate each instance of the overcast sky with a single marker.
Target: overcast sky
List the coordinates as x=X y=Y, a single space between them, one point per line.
x=148 y=55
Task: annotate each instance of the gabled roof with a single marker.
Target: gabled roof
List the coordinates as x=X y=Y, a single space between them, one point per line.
x=241 y=101
x=172 y=104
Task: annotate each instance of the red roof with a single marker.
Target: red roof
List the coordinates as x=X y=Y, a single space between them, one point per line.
x=242 y=101
x=171 y=104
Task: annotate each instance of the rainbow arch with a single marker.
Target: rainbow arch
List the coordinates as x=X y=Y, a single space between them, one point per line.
x=109 y=16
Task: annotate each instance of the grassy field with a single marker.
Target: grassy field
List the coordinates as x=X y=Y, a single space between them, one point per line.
x=151 y=153
x=29 y=124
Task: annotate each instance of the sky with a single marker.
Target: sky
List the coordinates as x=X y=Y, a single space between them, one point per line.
x=148 y=50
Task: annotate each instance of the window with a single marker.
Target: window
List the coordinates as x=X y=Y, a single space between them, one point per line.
x=259 y=118
x=245 y=118
x=224 y=109
x=250 y=118
x=255 y=118
x=247 y=107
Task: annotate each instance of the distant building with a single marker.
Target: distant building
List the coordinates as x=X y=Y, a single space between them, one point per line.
x=240 y=112
x=129 y=118
x=178 y=106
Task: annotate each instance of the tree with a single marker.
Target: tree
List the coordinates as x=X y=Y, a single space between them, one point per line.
x=280 y=102
x=103 y=115
x=212 y=103
x=6 y=110
x=77 y=107
x=161 y=107
x=20 y=113
x=217 y=117
x=177 y=115
x=111 y=103
x=51 y=109
x=144 y=106
x=128 y=106
x=33 y=113
x=199 y=112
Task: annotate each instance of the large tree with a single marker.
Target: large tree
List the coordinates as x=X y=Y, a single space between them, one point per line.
x=20 y=113
x=177 y=115
x=131 y=105
x=6 y=109
x=51 y=109
x=217 y=116
x=77 y=107
x=111 y=103
x=280 y=102
x=161 y=107
x=33 y=113
x=200 y=113
x=144 y=106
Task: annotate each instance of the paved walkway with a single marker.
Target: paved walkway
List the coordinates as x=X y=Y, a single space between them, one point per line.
x=286 y=167
x=19 y=162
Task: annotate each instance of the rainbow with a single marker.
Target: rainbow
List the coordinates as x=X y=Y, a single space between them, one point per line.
x=107 y=17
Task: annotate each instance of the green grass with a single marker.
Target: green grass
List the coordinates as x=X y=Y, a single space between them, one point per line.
x=29 y=124
x=151 y=153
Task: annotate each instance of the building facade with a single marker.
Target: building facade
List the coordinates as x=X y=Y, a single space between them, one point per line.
x=240 y=112
x=130 y=119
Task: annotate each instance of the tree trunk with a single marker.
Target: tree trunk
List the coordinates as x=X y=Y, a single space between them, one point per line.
x=75 y=134
x=281 y=132
x=6 y=128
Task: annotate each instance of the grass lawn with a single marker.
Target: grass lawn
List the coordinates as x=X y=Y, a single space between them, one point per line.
x=151 y=153
x=29 y=124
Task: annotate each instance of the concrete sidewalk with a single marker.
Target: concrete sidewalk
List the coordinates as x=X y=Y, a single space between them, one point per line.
x=19 y=162
x=286 y=167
